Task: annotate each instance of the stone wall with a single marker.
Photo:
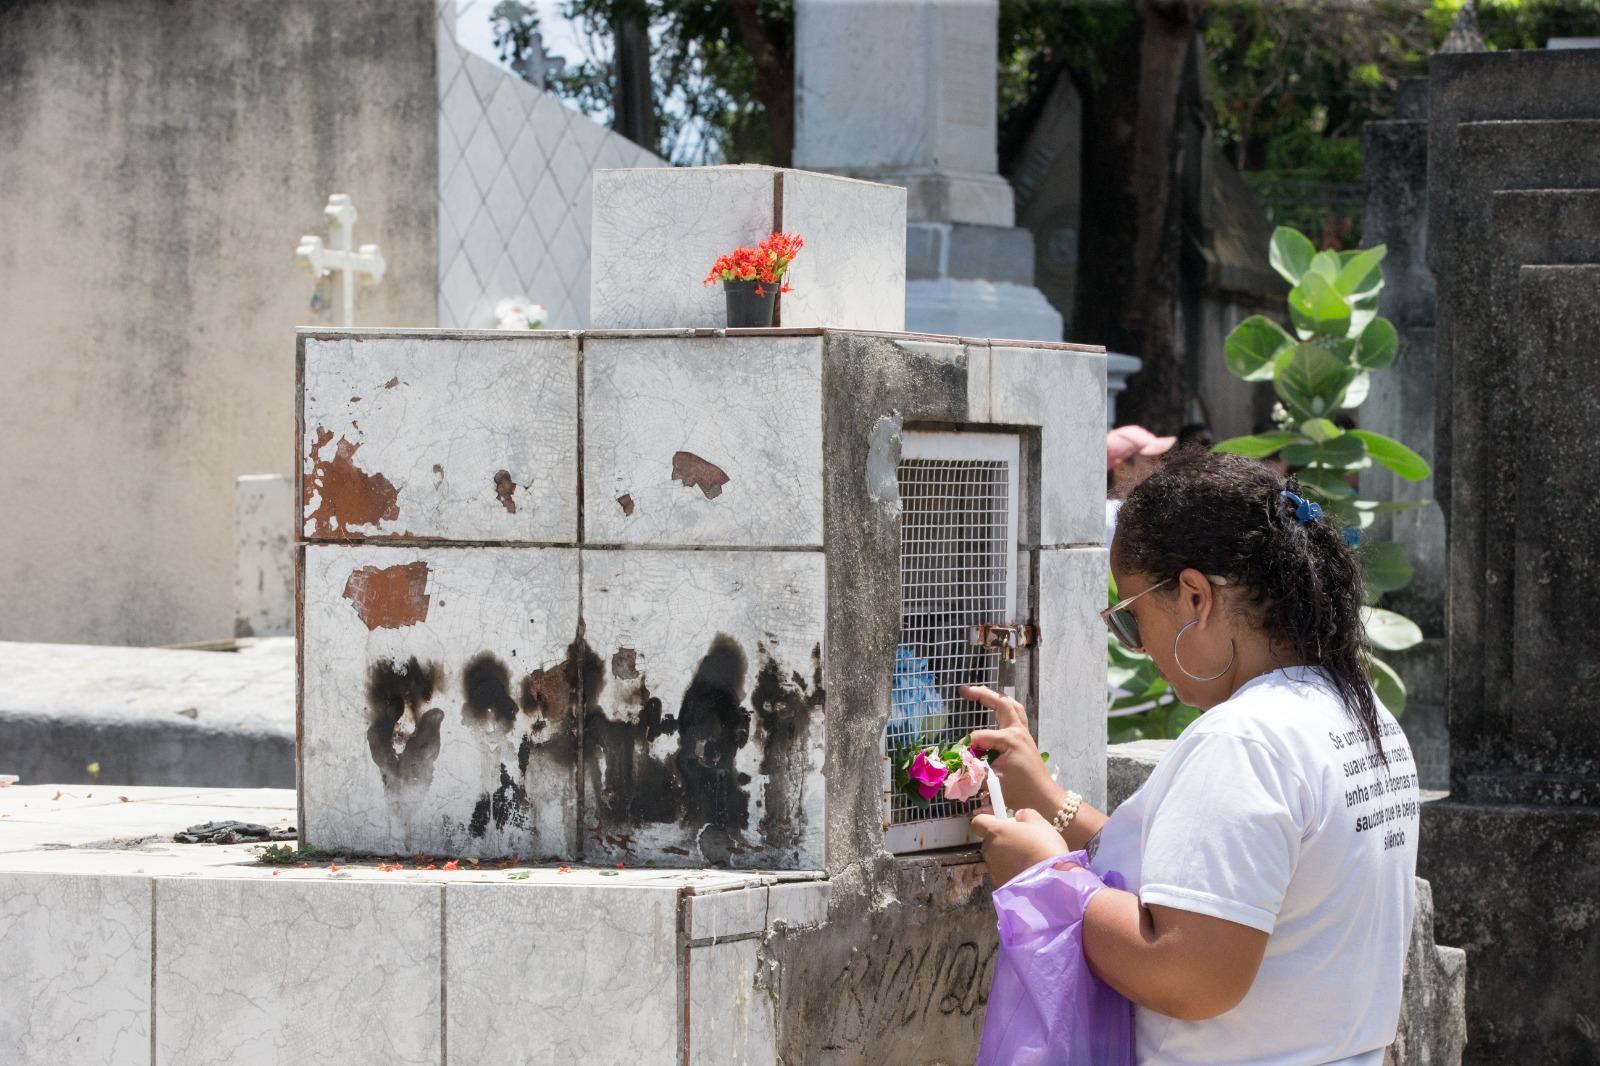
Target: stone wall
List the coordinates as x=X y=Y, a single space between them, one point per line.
x=160 y=161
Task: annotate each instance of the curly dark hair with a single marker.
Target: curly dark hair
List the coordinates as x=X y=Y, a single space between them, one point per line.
x=1226 y=515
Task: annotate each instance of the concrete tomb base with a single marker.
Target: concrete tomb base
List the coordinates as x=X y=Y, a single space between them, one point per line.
x=122 y=948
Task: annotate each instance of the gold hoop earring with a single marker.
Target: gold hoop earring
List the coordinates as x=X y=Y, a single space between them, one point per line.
x=1232 y=651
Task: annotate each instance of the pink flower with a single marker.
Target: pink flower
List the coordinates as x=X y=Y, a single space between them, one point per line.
x=927 y=774
x=965 y=783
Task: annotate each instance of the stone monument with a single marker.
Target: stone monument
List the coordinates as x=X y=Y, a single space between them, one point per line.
x=1513 y=206
x=1396 y=215
x=904 y=93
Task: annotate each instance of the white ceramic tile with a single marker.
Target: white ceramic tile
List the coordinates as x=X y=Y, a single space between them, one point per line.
x=461 y=195
x=483 y=155
x=411 y=436
x=1072 y=668
x=449 y=241
x=439 y=719
x=549 y=120
x=506 y=114
x=449 y=57
x=505 y=202
x=568 y=165
x=482 y=242
x=679 y=220
x=730 y=1019
x=75 y=983
x=800 y=903
x=485 y=76
x=526 y=249
x=457 y=290
x=559 y=974
x=1063 y=393
x=711 y=440
x=851 y=274
x=461 y=109
x=568 y=251
x=588 y=136
x=546 y=205
x=526 y=161
x=719 y=915
x=279 y=973
x=704 y=746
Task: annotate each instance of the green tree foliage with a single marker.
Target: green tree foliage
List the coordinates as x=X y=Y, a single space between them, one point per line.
x=721 y=71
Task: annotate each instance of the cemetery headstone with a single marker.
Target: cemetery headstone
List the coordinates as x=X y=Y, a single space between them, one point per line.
x=339 y=257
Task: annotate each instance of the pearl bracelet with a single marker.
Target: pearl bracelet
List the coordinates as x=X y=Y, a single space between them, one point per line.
x=1068 y=811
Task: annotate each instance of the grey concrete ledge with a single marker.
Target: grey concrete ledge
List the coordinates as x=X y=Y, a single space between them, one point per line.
x=148 y=716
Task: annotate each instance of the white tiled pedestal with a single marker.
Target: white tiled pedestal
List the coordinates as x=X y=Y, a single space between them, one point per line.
x=131 y=950
x=632 y=595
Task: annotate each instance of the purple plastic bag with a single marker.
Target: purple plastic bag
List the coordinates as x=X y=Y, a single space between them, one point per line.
x=1046 y=1008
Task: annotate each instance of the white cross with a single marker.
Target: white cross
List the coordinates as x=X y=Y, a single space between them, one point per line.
x=341 y=214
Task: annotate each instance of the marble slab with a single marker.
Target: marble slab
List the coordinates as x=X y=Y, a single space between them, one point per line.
x=851 y=274
x=275 y=972
x=438 y=712
x=720 y=915
x=440 y=437
x=703 y=441
x=730 y=1019
x=704 y=725
x=1064 y=394
x=1072 y=667
x=75 y=980
x=557 y=974
x=657 y=232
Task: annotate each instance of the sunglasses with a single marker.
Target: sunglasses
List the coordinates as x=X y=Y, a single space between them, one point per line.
x=1124 y=626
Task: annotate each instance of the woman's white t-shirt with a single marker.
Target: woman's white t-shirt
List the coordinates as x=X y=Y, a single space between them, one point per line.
x=1272 y=811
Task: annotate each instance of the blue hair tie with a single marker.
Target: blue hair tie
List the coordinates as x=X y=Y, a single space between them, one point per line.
x=1304 y=509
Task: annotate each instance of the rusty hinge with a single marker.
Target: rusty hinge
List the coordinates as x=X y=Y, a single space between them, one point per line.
x=1006 y=637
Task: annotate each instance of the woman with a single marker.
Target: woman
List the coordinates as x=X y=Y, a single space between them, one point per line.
x=1270 y=856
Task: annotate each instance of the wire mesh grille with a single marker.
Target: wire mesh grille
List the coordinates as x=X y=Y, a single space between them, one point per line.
x=955 y=535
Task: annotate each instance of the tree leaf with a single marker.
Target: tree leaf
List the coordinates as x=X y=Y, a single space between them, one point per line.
x=1320 y=429
x=1326 y=265
x=1386 y=567
x=1359 y=274
x=1356 y=394
x=1377 y=345
x=1316 y=307
x=1291 y=253
x=1389 y=630
x=1390 y=689
x=1329 y=484
x=1258 y=446
x=1312 y=380
x=1342 y=451
x=1252 y=345
x=1394 y=455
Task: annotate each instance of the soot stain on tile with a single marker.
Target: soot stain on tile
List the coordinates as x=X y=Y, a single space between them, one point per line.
x=625 y=664
x=505 y=806
x=784 y=711
x=486 y=688
x=402 y=730
x=505 y=489
x=713 y=724
x=697 y=473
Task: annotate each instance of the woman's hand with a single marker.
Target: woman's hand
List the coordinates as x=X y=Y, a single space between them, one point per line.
x=1023 y=775
x=1010 y=846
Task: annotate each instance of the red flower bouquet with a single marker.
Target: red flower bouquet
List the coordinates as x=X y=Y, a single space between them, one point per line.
x=752 y=278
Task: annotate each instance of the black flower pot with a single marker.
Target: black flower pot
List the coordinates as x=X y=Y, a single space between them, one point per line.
x=747 y=307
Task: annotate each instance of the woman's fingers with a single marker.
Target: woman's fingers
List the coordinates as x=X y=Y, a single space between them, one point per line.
x=985 y=825
x=991 y=740
x=1007 y=711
